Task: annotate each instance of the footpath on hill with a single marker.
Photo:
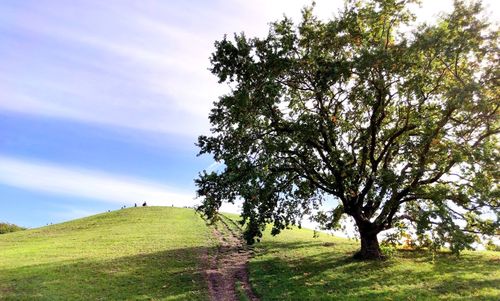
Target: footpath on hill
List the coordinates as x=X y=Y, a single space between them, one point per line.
x=227 y=272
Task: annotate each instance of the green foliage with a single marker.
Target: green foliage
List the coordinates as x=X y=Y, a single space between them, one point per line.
x=8 y=228
x=394 y=125
x=395 y=238
x=330 y=220
x=491 y=246
x=387 y=250
x=146 y=253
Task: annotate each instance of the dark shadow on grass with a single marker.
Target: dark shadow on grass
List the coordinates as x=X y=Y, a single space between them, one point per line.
x=174 y=274
x=331 y=274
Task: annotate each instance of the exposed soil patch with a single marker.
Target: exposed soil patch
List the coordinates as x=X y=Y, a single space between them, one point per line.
x=328 y=244
x=229 y=265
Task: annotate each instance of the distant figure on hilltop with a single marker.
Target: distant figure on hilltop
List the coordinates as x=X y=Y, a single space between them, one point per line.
x=135 y=204
x=144 y=205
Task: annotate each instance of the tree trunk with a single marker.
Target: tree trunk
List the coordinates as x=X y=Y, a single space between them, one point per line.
x=370 y=249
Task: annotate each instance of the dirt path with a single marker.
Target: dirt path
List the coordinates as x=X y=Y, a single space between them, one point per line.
x=228 y=267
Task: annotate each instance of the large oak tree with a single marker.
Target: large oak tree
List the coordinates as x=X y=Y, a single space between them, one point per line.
x=396 y=123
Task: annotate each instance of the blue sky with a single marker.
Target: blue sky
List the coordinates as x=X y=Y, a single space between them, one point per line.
x=101 y=102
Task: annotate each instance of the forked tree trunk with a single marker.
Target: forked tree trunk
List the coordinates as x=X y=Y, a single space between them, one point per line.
x=370 y=249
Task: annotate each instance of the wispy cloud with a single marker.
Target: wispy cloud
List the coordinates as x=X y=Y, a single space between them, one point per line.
x=85 y=183
x=123 y=69
x=129 y=63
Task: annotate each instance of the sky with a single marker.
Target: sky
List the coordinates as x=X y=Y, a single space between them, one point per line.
x=101 y=102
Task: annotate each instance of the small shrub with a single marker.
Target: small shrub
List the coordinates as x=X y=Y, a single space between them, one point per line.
x=491 y=246
x=7 y=228
x=388 y=250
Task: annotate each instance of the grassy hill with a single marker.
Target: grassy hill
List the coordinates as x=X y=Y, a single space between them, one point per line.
x=150 y=253
x=157 y=253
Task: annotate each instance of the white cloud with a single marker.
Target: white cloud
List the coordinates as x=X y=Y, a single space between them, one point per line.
x=85 y=183
x=132 y=64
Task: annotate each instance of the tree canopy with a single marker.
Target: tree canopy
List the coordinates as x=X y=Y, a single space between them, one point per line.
x=395 y=122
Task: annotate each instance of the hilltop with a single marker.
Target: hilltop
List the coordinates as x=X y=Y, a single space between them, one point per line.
x=130 y=254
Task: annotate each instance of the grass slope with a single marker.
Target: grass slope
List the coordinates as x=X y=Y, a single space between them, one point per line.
x=150 y=253
x=153 y=253
x=296 y=266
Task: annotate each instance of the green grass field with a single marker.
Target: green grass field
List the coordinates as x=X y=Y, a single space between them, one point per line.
x=155 y=253
x=296 y=266
x=150 y=253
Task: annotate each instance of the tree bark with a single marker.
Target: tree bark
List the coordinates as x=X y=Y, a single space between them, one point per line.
x=370 y=249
